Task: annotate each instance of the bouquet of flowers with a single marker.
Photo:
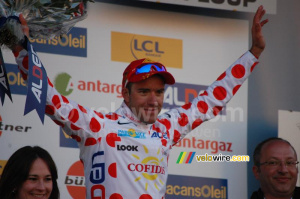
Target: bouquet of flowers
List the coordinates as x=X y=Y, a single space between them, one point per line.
x=45 y=18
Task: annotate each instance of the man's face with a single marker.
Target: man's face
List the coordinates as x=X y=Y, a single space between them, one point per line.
x=146 y=98
x=277 y=180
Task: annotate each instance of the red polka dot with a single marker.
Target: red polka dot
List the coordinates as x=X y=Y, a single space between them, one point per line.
x=24 y=75
x=56 y=101
x=90 y=142
x=220 y=93
x=25 y=62
x=16 y=53
x=183 y=120
x=74 y=127
x=50 y=110
x=49 y=82
x=202 y=107
x=73 y=115
x=217 y=109
x=59 y=123
x=116 y=196
x=253 y=66
x=235 y=89
x=82 y=109
x=65 y=100
x=165 y=122
x=238 y=71
x=76 y=137
x=221 y=76
x=187 y=106
x=196 y=123
x=164 y=142
x=204 y=93
x=113 y=116
x=145 y=196
x=157 y=129
x=112 y=138
x=112 y=170
x=177 y=136
x=94 y=125
x=99 y=114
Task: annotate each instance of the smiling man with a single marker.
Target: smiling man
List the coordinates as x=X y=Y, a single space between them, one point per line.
x=276 y=168
x=125 y=153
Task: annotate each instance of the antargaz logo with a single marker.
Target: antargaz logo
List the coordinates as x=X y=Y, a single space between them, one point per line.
x=63 y=84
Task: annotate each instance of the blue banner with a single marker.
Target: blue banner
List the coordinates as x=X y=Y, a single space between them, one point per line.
x=37 y=84
x=4 y=86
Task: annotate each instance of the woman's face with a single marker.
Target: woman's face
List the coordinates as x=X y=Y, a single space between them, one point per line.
x=38 y=184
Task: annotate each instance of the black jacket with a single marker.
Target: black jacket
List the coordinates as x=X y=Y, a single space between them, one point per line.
x=260 y=195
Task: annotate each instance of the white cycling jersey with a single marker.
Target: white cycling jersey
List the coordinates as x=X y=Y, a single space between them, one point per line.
x=124 y=158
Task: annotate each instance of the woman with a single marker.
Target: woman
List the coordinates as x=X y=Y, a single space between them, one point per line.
x=29 y=173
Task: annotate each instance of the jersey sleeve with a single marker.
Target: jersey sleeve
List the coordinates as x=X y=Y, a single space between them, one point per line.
x=210 y=102
x=81 y=123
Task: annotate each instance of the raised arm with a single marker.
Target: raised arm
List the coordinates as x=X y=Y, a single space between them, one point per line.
x=258 y=40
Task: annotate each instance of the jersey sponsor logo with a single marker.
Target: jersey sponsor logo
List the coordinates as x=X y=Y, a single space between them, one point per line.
x=74 y=43
x=75 y=181
x=131 y=133
x=179 y=94
x=127 y=148
x=125 y=47
x=150 y=169
x=159 y=135
x=65 y=85
x=188 y=187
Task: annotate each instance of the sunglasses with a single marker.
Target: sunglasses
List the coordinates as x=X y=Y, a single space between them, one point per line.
x=148 y=68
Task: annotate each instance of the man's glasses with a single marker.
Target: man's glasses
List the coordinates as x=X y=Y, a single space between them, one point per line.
x=277 y=163
x=148 y=68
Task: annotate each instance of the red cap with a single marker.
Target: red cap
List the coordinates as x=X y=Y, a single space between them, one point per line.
x=129 y=74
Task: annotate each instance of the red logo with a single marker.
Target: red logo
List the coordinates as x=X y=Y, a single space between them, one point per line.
x=75 y=181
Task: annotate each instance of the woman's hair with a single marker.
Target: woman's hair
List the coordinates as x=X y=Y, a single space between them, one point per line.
x=17 y=169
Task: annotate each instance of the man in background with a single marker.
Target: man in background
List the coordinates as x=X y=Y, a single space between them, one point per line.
x=276 y=168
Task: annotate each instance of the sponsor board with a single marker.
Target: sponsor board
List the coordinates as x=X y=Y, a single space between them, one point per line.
x=234 y=5
x=74 y=43
x=75 y=181
x=188 y=187
x=4 y=127
x=179 y=94
x=2 y=165
x=65 y=85
x=65 y=140
x=126 y=47
x=15 y=80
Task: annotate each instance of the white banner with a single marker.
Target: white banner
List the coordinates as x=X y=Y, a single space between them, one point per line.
x=234 y=5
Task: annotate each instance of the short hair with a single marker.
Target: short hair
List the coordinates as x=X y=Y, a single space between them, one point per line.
x=257 y=150
x=18 y=167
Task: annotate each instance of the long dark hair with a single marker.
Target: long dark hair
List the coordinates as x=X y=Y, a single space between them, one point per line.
x=17 y=170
